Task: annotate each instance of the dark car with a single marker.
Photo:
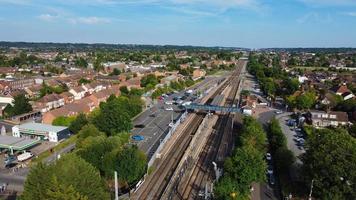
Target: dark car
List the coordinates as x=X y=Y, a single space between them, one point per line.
x=140 y=126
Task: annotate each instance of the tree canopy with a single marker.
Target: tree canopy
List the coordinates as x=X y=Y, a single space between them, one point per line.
x=330 y=160
x=21 y=106
x=115 y=115
x=70 y=174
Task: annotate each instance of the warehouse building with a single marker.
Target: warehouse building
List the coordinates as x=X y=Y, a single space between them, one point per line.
x=41 y=131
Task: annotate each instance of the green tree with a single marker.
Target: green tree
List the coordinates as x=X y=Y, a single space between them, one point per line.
x=131 y=164
x=83 y=81
x=81 y=62
x=306 y=100
x=63 y=121
x=244 y=167
x=227 y=189
x=149 y=81
x=115 y=72
x=330 y=160
x=60 y=191
x=253 y=135
x=283 y=159
x=276 y=136
x=113 y=118
x=88 y=130
x=36 y=185
x=77 y=124
x=21 y=106
x=85 y=179
x=292 y=85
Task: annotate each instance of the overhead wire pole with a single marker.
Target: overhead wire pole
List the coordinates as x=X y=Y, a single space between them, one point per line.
x=116 y=187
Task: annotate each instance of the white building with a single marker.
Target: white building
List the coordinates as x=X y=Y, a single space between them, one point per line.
x=78 y=92
x=41 y=131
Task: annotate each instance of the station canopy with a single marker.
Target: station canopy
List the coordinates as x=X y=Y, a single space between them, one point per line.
x=16 y=143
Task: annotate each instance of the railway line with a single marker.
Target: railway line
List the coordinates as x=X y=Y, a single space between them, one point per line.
x=216 y=150
x=155 y=186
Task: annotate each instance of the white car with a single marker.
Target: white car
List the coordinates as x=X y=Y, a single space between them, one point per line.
x=24 y=156
x=179 y=102
x=278 y=112
x=169 y=109
x=268 y=156
x=168 y=103
x=269 y=170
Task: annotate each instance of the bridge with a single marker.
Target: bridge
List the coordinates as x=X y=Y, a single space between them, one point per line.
x=209 y=108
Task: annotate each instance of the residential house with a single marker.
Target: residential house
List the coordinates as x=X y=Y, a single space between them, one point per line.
x=68 y=97
x=167 y=80
x=21 y=83
x=344 y=92
x=198 y=73
x=49 y=102
x=78 y=92
x=98 y=86
x=84 y=105
x=34 y=91
x=332 y=118
x=248 y=103
x=132 y=83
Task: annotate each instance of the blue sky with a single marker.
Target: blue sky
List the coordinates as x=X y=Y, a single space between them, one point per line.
x=237 y=23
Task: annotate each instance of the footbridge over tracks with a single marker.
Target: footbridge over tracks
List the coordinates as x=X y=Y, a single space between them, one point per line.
x=209 y=108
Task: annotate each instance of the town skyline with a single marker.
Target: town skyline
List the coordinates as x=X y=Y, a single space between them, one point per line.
x=229 y=23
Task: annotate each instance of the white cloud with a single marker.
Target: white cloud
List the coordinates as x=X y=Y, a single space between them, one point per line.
x=329 y=2
x=47 y=17
x=314 y=17
x=89 y=20
x=16 y=2
x=352 y=14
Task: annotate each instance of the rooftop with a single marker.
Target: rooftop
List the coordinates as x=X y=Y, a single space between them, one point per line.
x=16 y=143
x=42 y=127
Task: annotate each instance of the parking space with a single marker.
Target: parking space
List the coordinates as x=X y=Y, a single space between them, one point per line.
x=294 y=136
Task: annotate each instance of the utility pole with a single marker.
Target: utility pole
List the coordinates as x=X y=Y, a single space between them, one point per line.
x=116 y=187
x=311 y=190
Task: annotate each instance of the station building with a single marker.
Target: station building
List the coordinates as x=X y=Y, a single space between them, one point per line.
x=41 y=131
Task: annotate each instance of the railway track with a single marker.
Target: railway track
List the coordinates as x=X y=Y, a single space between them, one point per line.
x=216 y=149
x=157 y=184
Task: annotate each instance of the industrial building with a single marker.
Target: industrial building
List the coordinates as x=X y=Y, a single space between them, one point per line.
x=41 y=131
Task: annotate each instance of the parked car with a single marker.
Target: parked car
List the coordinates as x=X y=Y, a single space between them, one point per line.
x=271 y=179
x=179 y=102
x=269 y=169
x=169 y=109
x=278 y=112
x=168 y=103
x=268 y=156
x=138 y=137
x=140 y=126
x=10 y=160
x=24 y=156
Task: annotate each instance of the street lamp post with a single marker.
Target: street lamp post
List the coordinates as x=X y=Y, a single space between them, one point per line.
x=311 y=189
